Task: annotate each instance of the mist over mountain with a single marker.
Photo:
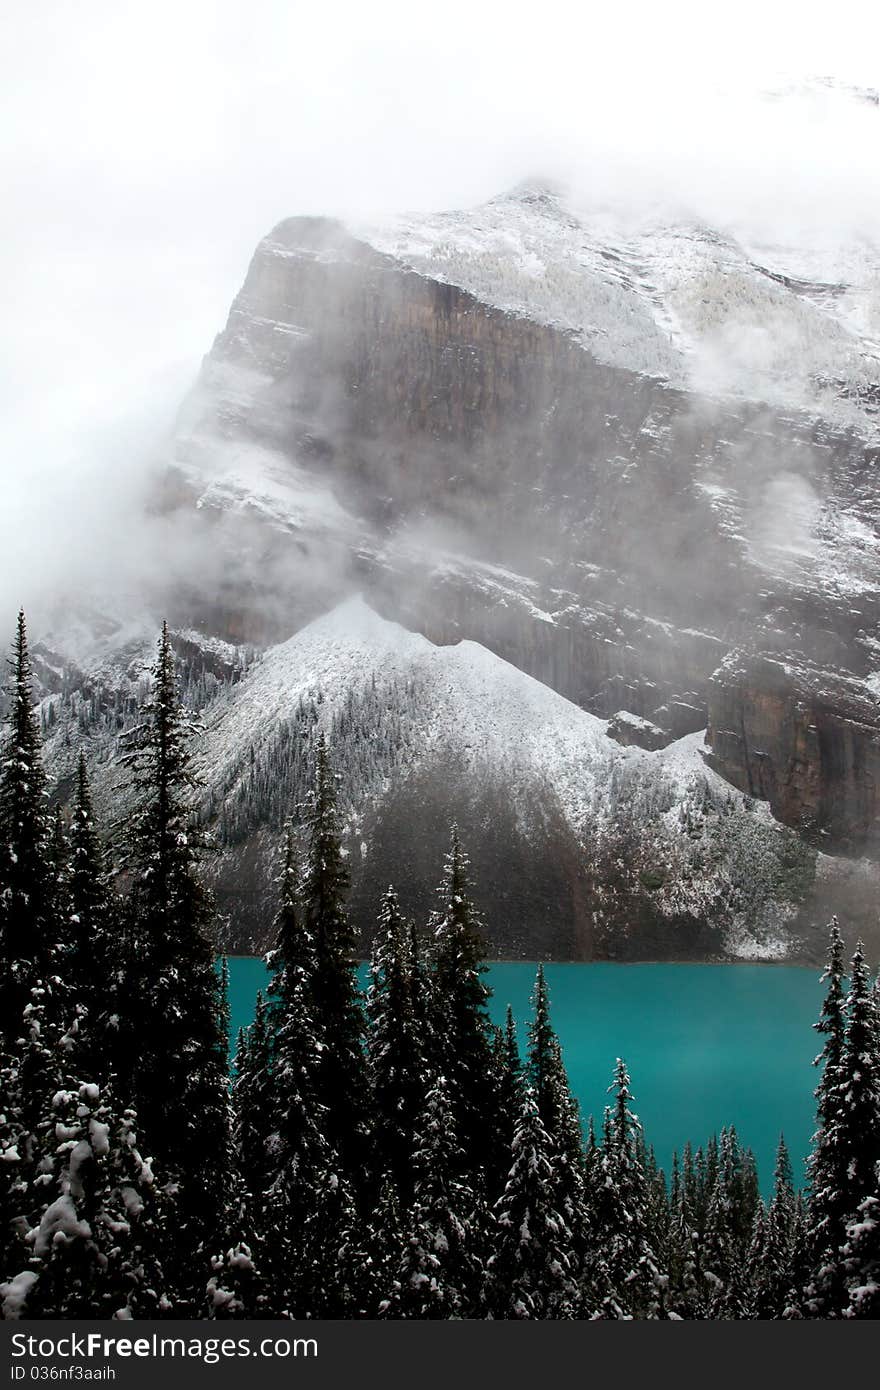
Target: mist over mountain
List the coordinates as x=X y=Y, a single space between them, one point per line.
x=561 y=519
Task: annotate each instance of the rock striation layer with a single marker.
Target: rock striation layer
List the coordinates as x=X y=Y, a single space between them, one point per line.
x=638 y=546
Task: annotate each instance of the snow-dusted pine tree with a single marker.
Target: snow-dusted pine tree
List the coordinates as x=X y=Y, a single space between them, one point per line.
x=28 y=945
x=530 y=1271
x=507 y=1093
x=622 y=1279
x=558 y=1111
x=253 y=1107
x=395 y=1057
x=773 y=1277
x=281 y=1122
x=860 y=1096
x=827 y=1168
x=855 y=1135
x=340 y=1080
x=92 y=941
x=437 y=1277
x=461 y=1021
x=173 y=1047
x=94 y=1245
x=861 y=1257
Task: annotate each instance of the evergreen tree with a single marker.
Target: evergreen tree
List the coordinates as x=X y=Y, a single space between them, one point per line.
x=396 y=1063
x=461 y=1025
x=754 y=1271
x=253 y=1097
x=775 y=1277
x=847 y=1147
x=287 y=1160
x=855 y=1135
x=659 y=1220
x=861 y=1256
x=530 y=1272
x=28 y=945
x=422 y=997
x=235 y=1289
x=624 y=1279
x=340 y=1080
x=687 y=1285
x=32 y=1071
x=385 y=1243
x=827 y=1168
x=558 y=1112
x=859 y=1115
x=507 y=1094
x=724 y=1261
x=93 y=1249
x=800 y=1260
x=437 y=1277
x=174 y=1059
x=93 y=941
x=37 y=1023
x=59 y=860
x=337 y=1277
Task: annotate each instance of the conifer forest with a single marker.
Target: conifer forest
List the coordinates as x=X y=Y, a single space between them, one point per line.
x=385 y=1153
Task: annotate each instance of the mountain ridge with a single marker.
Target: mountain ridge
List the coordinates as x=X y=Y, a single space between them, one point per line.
x=665 y=561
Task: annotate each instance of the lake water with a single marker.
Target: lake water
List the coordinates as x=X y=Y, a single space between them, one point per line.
x=706 y=1045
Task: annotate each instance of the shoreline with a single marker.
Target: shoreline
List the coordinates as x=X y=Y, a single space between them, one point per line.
x=522 y=960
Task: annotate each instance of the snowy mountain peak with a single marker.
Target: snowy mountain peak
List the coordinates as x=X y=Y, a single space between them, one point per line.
x=827 y=88
x=353 y=620
x=698 y=306
x=455 y=732
x=535 y=191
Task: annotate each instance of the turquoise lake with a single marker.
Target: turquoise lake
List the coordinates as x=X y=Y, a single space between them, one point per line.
x=706 y=1045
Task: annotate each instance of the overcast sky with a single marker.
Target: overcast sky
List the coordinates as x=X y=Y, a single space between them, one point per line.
x=146 y=147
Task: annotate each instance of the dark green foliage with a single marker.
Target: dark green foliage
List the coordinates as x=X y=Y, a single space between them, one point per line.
x=559 y=1115
x=851 y=1144
x=253 y=1106
x=861 y=1256
x=461 y=1022
x=623 y=1278
x=92 y=942
x=530 y=1271
x=93 y=1247
x=28 y=931
x=340 y=1078
x=507 y=1080
x=412 y=1168
x=438 y=1276
x=828 y=1160
x=396 y=1062
x=176 y=1074
x=858 y=1125
x=386 y=1240
x=774 y=1275
x=284 y=1151
x=847 y=1141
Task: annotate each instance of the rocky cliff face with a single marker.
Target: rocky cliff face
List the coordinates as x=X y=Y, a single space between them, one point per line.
x=802 y=740
x=637 y=546
x=616 y=491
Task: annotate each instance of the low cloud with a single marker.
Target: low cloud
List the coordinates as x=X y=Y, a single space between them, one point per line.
x=144 y=155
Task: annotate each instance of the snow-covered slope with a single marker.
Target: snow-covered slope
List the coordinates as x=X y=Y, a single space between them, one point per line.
x=633 y=457
x=582 y=847
x=471 y=702
x=490 y=742
x=674 y=299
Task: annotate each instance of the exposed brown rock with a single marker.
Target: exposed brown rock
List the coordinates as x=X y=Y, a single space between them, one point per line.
x=624 y=510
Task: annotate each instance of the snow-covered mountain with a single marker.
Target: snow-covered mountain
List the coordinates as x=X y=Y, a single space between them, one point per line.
x=581 y=845
x=794 y=327
x=611 y=485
